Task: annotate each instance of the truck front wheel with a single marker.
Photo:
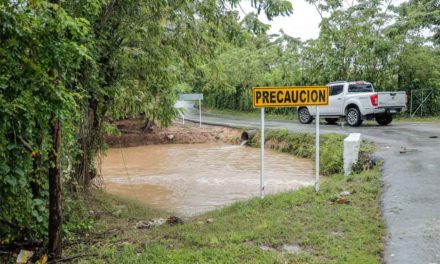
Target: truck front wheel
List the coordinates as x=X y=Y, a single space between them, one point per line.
x=304 y=116
x=384 y=120
x=353 y=117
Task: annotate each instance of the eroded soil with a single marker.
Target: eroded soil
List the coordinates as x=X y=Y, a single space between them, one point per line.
x=133 y=134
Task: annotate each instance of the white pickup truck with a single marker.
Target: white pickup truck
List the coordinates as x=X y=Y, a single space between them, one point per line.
x=356 y=101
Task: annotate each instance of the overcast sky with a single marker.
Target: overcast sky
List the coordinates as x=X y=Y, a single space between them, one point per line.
x=303 y=23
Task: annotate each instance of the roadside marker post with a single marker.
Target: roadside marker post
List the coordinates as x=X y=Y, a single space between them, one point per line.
x=289 y=96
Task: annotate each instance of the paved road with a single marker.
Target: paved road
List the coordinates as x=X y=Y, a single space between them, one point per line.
x=411 y=192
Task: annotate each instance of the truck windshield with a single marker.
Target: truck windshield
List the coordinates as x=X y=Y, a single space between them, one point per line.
x=360 y=88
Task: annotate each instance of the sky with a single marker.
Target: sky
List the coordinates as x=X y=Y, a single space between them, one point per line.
x=303 y=23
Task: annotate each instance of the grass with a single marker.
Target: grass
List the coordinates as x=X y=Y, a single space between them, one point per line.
x=253 y=231
x=303 y=145
x=254 y=114
x=431 y=119
x=326 y=232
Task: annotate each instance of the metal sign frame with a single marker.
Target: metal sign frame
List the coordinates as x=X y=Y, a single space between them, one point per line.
x=193 y=97
x=291 y=104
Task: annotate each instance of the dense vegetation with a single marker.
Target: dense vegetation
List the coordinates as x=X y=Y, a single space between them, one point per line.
x=68 y=69
x=395 y=48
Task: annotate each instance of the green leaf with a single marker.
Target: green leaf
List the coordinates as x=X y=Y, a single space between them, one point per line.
x=19 y=172
x=12 y=181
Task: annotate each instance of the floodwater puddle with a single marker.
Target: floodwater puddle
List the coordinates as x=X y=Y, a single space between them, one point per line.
x=191 y=179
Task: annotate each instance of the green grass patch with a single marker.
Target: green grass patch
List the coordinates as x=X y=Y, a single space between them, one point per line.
x=418 y=119
x=255 y=231
x=324 y=231
x=253 y=114
x=303 y=145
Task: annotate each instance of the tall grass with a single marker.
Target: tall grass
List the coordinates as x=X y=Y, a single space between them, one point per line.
x=303 y=145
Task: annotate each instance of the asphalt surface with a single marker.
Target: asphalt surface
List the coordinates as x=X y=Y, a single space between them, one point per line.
x=411 y=180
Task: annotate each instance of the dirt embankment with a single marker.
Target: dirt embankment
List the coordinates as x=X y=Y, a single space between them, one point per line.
x=133 y=134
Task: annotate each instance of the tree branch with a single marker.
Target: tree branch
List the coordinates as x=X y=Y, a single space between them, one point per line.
x=26 y=145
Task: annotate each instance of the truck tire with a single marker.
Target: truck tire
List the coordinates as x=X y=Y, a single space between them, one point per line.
x=384 y=120
x=331 y=121
x=353 y=117
x=304 y=116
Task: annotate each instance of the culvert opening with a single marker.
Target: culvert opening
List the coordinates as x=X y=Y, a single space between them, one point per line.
x=248 y=134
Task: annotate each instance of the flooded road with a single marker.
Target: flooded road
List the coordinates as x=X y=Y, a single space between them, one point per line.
x=191 y=179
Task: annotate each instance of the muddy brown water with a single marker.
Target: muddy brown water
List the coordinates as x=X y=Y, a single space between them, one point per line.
x=192 y=179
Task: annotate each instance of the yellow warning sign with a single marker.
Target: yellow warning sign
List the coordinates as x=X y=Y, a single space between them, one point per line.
x=288 y=96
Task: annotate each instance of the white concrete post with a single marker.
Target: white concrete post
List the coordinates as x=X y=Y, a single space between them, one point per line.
x=352 y=144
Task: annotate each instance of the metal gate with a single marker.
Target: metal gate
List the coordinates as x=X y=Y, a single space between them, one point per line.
x=418 y=99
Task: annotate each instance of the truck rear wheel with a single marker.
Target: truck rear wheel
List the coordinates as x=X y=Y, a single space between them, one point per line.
x=304 y=116
x=331 y=121
x=353 y=117
x=384 y=120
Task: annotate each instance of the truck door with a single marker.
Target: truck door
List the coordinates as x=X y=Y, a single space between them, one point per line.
x=336 y=101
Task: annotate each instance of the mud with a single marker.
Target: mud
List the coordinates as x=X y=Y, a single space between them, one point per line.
x=132 y=133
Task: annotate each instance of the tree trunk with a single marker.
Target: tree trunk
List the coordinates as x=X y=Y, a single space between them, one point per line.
x=55 y=214
x=89 y=143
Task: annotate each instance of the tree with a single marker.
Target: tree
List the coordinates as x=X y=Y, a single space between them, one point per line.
x=82 y=65
x=42 y=52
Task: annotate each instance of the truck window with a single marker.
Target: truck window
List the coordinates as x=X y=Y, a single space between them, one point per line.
x=335 y=90
x=360 y=88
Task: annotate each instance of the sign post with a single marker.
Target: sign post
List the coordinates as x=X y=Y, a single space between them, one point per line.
x=317 y=151
x=290 y=96
x=262 y=155
x=200 y=113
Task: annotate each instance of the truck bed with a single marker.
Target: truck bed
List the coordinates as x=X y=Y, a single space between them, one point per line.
x=392 y=100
